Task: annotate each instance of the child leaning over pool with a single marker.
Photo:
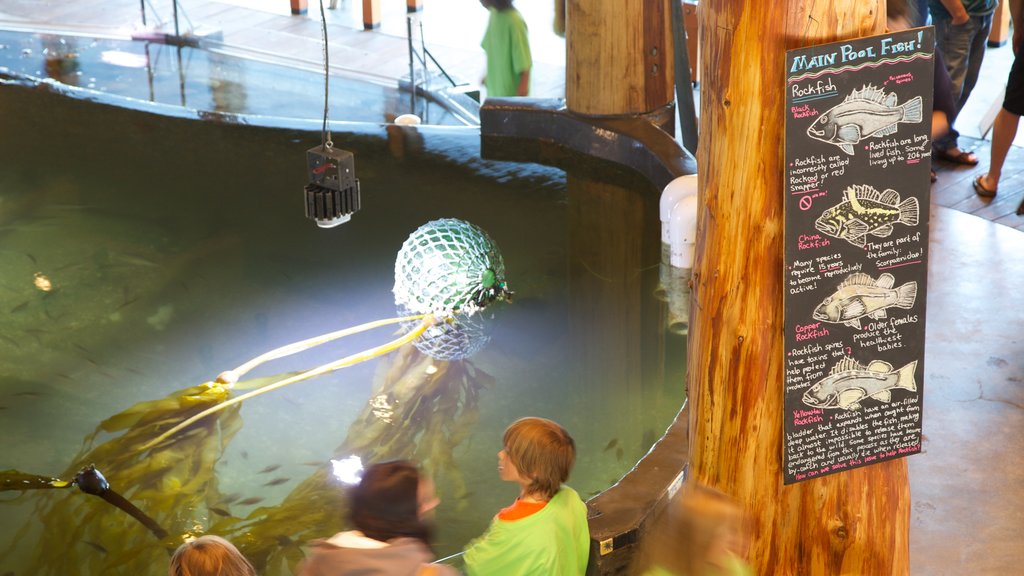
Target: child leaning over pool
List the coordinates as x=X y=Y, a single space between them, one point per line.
x=544 y=531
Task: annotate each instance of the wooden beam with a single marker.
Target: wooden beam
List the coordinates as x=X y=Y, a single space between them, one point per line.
x=854 y=522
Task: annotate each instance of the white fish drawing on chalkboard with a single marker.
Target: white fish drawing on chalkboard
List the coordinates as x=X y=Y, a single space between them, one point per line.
x=860 y=295
x=867 y=211
x=850 y=382
x=864 y=113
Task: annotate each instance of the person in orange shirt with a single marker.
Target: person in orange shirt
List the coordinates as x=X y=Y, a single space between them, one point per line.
x=545 y=530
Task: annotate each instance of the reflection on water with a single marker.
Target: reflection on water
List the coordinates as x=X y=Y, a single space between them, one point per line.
x=207 y=81
x=176 y=249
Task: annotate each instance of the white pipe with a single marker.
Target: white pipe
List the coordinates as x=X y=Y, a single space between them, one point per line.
x=683 y=233
x=676 y=190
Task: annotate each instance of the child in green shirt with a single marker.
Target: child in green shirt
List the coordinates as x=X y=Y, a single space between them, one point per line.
x=544 y=532
x=508 y=50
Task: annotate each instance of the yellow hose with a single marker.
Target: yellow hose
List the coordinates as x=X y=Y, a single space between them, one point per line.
x=427 y=321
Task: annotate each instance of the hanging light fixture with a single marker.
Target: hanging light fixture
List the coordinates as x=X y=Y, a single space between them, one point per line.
x=332 y=194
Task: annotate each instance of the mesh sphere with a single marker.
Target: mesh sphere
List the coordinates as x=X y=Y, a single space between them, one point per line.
x=448 y=265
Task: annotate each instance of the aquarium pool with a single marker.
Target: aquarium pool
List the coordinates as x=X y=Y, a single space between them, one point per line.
x=141 y=255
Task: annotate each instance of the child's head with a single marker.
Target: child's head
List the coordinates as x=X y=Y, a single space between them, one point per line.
x=391 y=501
x=702 y=528
x=209 y=556
x=499 y=5
x=542 y=453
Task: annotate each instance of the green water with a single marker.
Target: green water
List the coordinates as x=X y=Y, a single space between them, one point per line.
x=176 y=249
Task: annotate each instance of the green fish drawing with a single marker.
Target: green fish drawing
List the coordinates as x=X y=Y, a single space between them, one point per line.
x=850 y=382
x=860 y=295
x=864 y=113
x=864 y=211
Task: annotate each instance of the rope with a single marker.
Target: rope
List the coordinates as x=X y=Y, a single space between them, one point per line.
x=325 y=133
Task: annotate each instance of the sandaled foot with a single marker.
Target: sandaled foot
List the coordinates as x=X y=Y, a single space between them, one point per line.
x=965 y=157
x=935 y=177
x=982 y=190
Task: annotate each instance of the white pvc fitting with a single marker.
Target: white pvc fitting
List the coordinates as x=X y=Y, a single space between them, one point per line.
x=676 y=190
x=682 y=227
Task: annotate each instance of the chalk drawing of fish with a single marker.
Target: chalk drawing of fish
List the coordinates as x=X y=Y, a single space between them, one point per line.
x=860 y=295
x=864 y=211
x=850 y=382
x=868 y=112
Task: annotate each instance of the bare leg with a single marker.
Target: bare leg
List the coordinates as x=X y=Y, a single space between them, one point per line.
x=1004 y=130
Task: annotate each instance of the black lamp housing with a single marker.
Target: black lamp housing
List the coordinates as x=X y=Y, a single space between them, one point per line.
x=332 y=195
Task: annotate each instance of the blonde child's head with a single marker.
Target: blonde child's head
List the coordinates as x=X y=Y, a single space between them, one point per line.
x=209 y=556
x=543 y=453
x=701 y=529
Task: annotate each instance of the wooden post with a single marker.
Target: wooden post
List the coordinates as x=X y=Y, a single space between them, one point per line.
x=1000 y=25
x=413 y=5
x=371 y=14
x=299 y=7
x=854 y=522
x=618 y=57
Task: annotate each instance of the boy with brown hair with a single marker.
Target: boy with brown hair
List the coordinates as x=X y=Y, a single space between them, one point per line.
x=545 y=530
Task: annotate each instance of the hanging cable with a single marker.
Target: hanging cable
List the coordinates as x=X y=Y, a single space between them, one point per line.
x=325 y=133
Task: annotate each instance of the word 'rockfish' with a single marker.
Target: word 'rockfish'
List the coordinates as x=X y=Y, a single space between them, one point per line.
x=860 y=295
x=864 y=113
x=867 y=211
x=849 y=382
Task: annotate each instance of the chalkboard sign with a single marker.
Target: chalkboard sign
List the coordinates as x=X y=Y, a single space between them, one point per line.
x=858 y=155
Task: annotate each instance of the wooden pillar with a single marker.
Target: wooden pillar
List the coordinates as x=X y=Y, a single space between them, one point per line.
x=371 y=14
x=413 y=5
x=618 y=56
x=854 y=522
x=299 y=7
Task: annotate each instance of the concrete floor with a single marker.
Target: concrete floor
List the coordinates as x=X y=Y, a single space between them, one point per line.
x=967 y=486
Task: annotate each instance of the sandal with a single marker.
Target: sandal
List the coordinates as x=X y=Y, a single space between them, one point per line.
x=965 y=157
x=981 y=190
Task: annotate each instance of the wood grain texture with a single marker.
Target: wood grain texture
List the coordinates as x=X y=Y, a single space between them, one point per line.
x=854 y=522
x=618 y=56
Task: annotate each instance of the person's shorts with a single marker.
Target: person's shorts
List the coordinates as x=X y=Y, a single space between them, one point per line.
x=1014 y=101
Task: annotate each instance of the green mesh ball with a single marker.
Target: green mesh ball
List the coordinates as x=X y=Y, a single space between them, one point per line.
x=448 y=266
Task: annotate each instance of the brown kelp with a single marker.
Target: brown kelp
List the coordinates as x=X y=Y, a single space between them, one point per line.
x=420 y=409
x=170 y=483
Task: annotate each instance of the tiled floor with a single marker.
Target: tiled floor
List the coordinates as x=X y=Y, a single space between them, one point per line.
x=968 y=502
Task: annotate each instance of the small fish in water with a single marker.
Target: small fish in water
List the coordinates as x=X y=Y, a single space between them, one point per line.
x=850 y=382
x=864 y=211
x=314 y=463
x=19 y=307
x=219 y=511
x=98 y=547
x=277 y=481
x=868 y=112
x=611 y=444
x=270 y=468
x=619 y=453
x=250 y=501
x=230 y=498
x=860 y=295
x=245 y=454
